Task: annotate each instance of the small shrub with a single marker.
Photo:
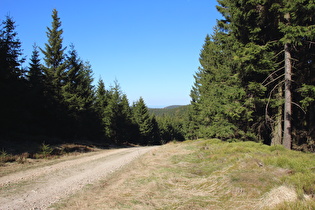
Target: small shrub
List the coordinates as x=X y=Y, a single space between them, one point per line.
x=5 y=157
x=3 y=154
x=45 y=150
x=22 y=158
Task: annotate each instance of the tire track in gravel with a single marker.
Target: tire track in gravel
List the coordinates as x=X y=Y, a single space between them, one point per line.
x=40 y=187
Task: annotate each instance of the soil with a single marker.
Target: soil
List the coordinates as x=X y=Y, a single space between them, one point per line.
x=39 y=188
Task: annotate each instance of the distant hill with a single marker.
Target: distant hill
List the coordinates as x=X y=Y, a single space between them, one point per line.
x=174 y=110
x=172 y=107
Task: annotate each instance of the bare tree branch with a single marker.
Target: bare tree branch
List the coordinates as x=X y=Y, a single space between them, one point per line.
x=299 y=107
x=274 y=80
x=271 y=75
x=278 y=54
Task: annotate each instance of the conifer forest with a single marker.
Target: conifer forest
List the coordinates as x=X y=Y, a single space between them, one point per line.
x=256 y=82
x=54 y=100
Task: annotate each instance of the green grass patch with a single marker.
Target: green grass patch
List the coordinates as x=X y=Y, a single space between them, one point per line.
x=251 y=165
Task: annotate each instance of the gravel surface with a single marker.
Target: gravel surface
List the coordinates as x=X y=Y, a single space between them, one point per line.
x=40 y=187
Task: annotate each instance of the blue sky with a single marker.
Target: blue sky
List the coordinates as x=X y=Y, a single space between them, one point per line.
x=150 y=46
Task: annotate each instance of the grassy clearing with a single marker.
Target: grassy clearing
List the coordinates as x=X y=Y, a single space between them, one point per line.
x=207 y=174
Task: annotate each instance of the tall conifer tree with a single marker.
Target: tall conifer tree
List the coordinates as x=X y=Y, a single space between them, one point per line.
x=100 y=104
x=219 y=103
x=36 y=94
x=54 y=56
x=112 y=113
x=35 y=72
x=272 y=36
x=72 y=82
x=54 y=72
x=143 y=120
x=12 y=82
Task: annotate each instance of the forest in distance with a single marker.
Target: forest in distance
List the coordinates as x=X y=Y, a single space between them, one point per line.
x=256 y=82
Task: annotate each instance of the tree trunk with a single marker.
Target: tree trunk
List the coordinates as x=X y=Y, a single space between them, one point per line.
x=277 y=127
x=287 y=138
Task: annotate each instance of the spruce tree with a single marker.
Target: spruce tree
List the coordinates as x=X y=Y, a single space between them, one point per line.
x=12 y=81
x=101 y=98
x=100 y=104
x=297 y=27
x=125 y=123
x=72 y=82
x=253 y=27
x=54 y=57
x=191 y=123
x=274 y=38
x=54 y=72
x=143 y=120
x=36 y=94
x=112 y=113
x=155 y=134
x=219 y=107
x=86 y=88
x=35 y=73
x=78 y=94
x=10 y=52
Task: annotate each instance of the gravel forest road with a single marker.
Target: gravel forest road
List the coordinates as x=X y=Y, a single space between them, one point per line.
x=39 y=188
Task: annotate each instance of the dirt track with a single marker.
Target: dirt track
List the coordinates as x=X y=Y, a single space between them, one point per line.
x=40 y=187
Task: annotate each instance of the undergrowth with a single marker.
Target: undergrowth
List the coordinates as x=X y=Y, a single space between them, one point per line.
x=44 y=151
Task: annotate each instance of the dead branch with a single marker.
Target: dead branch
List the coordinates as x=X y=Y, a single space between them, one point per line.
x=274 y=80
x=278 y=54
x=299 y=107
x=272 y=74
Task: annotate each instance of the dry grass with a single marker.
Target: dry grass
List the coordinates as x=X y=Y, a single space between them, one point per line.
x=198 y=175
x=278 y=196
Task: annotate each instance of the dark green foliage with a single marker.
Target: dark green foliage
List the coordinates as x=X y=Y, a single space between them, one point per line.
x=144 y=121
x=171 y=128
x=100 y=103
x=12 y=80
x=10 y=51
x=36 y=94
x=112 y=113
x=217 y=93
x=35 y=74
x=116 y=115
x=78 y=96
x=56 y=100
x=54 y=58
x=112 y=107
x=171 y=122
x=239 y=89
x=192 y=124
x=72 y=90
x=54 y=77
